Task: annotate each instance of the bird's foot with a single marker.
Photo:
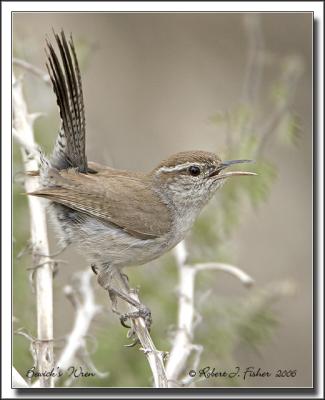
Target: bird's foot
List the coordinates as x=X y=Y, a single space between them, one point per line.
x=142 y=312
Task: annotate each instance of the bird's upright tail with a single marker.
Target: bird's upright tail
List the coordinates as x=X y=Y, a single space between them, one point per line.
x=69 y=150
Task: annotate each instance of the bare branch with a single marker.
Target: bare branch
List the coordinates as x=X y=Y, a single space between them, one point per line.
x=182 y=344
x=197 y=349
x=230 y=269
x=86 y=310
x=22 y=123
x=31 y=68
x=155 y=357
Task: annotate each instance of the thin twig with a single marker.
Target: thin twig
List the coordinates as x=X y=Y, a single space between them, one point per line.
x=31 y=68
x=230 y=269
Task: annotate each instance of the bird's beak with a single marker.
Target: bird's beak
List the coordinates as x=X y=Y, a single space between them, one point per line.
x=226 y=164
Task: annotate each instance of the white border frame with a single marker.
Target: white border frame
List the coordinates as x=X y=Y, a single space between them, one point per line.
x=9 y=7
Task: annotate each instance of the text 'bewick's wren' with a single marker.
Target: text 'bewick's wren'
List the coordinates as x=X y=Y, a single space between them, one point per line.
x=118 y=218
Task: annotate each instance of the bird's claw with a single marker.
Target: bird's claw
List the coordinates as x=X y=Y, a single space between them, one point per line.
x=123 y=319
x=134 y=343
x=131 y=332
x=144 y=313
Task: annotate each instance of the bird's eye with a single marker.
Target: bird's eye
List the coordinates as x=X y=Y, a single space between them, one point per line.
x=194 y=170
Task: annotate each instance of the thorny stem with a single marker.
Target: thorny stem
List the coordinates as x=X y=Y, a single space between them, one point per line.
x=43 y=276
x=155 y=357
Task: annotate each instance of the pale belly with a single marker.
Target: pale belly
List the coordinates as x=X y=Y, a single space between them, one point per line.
x=106 y=245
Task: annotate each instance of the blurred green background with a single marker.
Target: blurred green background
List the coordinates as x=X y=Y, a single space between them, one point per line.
x=155 y=84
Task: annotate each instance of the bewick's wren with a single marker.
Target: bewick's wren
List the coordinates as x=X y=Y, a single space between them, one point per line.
x=118 y=218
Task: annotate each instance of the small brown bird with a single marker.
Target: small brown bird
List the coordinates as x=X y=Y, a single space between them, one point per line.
x=118 y=218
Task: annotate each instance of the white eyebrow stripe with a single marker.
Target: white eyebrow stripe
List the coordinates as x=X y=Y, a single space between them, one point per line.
x=180 y=167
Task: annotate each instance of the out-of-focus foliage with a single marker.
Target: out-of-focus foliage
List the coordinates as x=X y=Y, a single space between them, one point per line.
x=245 y=139
x=250 y=321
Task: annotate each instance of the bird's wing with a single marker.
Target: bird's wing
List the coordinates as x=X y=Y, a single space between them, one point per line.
x=124 y=201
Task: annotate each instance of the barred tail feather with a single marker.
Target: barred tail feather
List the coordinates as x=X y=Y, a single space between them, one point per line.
x=69 y=150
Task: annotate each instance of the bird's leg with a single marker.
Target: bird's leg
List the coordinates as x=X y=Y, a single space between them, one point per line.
x=112 y=295
x=113 y=298
x=142 y=310
x=104 y=278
